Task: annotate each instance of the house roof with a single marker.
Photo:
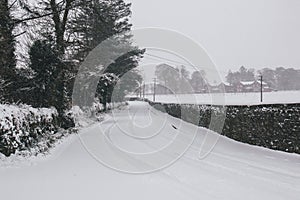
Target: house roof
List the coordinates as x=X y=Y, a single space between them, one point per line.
x=223 y=83
x=247 y=82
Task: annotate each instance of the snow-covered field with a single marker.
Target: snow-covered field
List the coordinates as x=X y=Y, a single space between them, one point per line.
x=230 y=98
x=231 y=170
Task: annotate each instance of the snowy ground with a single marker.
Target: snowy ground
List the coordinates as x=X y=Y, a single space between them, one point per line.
x=230 y=98
x=231 y=170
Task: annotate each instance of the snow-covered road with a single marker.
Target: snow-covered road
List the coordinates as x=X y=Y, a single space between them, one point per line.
x=83 y=168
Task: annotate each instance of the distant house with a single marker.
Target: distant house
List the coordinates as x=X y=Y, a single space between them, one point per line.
x=213 y=88
x=252 y=86
x=202 y=89
x=227 y=87
x=242 y=86
x=222 y=87
x=249 y=86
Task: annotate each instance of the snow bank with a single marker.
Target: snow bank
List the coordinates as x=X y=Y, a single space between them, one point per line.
x=88 y=115
x=275 y=126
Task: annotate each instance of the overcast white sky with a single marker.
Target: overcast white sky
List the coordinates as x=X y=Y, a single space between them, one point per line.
x=253 y=33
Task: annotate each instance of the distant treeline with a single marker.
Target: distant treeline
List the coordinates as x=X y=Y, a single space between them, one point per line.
x=179 y=80
x=278 y=79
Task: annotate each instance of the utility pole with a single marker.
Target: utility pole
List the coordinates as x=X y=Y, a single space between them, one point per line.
x=261 y=88
x=140 y=90
x=154 y=89
x=144 y=90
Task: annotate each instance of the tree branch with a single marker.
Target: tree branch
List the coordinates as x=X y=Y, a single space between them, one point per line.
x=12 y=5
x=19 y=34
x=66 y=13
x=38 y=15
x=31 y=18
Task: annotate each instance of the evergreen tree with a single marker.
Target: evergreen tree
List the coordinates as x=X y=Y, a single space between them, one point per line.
x=96 y=21
x=2 y=85
x=243 y=74
x=127 y=84
x=230 y=78
x=246 y=74
x=105 y=88
x=198 y=82
x=184 y=84
x=269 y=77
x=44 y=61
x=7 y=50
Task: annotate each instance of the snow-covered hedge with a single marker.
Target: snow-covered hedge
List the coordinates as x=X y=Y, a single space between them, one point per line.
x=272 y=126
x=23 y=127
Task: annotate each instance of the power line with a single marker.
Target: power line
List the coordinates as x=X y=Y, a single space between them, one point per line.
x=261 y=88
x=181 y=63
x=154 y=89
x=168 y=59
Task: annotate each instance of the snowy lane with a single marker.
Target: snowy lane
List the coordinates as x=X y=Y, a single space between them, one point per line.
x=231 y=171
